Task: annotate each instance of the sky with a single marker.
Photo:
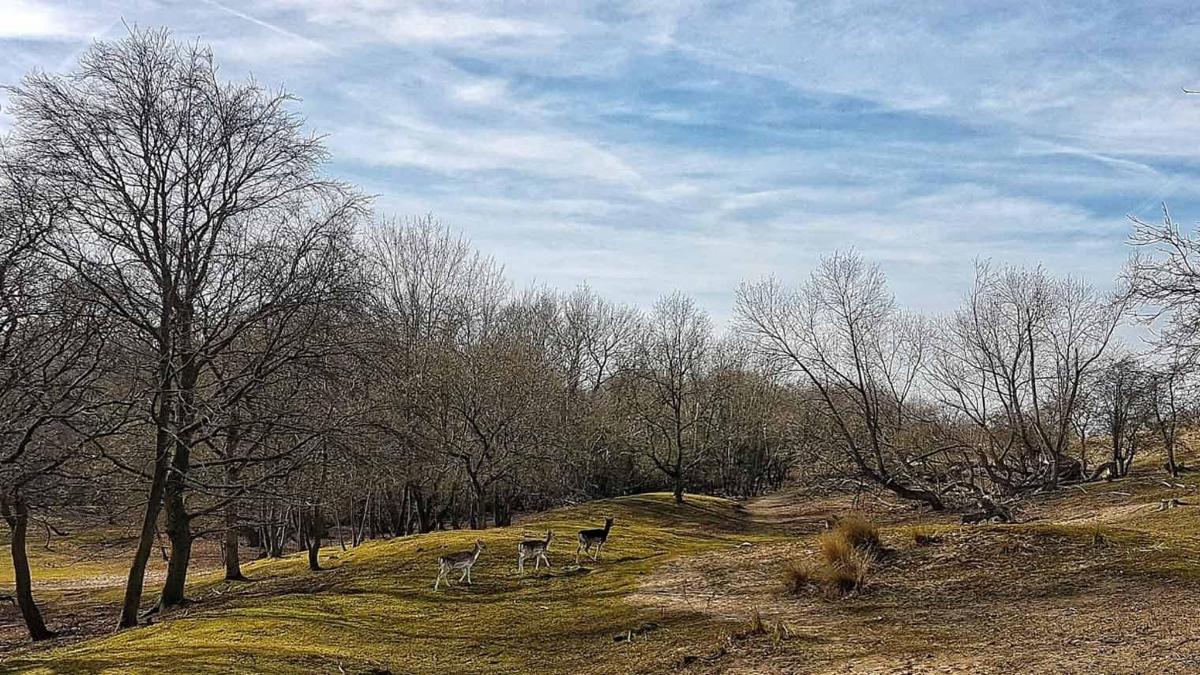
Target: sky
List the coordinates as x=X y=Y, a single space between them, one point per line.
x=647 y=146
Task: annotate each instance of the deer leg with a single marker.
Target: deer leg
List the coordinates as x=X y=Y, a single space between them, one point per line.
x=547 y=560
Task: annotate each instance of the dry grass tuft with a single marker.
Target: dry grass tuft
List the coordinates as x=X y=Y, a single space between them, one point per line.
x=802 y=578
x=860 y=534
x=756 y=625
x=846 y=554
x=781 y=632
x=848 y=574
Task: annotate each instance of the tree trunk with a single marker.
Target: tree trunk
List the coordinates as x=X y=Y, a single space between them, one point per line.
x=180 y=535
x=405 y=521
x=1172 y=466
x=316 y=529
x=179 y=526
x=233 y=565
x=17 y=517
x=678 y=475
x=137 y=570
x=477 y=516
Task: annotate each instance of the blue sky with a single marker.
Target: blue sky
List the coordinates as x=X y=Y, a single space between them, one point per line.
x=648 y=146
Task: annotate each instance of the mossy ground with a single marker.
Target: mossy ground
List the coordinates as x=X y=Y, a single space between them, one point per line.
x=1095 y=578
x=375 y=607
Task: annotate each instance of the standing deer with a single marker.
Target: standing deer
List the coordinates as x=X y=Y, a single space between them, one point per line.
x=463 y=560
x=590 y=538
x=536 y=549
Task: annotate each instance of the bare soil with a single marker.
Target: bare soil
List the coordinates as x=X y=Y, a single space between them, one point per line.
x=1098 y=580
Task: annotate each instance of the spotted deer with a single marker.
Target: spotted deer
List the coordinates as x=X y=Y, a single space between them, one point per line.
x=593 y=538
x=535 y=549
x=463 y=560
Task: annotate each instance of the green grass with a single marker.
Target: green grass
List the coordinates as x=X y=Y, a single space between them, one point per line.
x=375 y=608
x=80 y=555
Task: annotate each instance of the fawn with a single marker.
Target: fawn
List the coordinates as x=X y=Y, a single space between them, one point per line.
x=463 y=560
x=536 y=549
x=596 y=538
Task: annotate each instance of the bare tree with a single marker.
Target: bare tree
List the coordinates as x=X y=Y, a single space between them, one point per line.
x=673 y=394
x=1170 y=389
x=1013 y=362
x=1164 y=275
x=1121 y=398
x=195 y=213
x=594 y=342
x=437 y=304
x=52 y=349
x=841 y=335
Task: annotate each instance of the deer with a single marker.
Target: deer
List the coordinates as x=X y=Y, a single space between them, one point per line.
x=596 y=538
x=462 y=560
x=536 y=549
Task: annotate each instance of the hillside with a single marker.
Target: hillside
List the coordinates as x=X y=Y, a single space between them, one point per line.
x=1096 y=578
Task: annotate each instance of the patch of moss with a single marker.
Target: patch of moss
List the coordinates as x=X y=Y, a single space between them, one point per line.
x=375 y=607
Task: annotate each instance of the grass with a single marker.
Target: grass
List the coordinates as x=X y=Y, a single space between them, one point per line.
x=923 y=535
x=375 y=608
x=802 y=577
x=845 y=555
x=80 y=555
x=690 y=586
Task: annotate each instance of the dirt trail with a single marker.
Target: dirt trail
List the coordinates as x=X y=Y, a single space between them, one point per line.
x=1055 y=596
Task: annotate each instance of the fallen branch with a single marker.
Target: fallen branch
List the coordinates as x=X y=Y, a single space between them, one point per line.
x=1170 y=504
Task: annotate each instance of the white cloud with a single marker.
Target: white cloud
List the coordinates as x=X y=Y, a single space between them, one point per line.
x=408 y=143
x=481 y=92
x=420 y=23
x=30 y=19
x=647 y=145
x=424 y=25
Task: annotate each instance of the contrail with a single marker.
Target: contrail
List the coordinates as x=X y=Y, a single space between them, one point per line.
x=268 y=25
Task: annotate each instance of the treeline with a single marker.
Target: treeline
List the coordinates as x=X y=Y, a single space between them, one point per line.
x=202 y=333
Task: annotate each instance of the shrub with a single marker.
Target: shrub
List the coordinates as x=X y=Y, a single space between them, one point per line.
x=833 y=547
x=845 y=555
x=849 y=535
x=849 y=573
x=860 y=534
x=801 y=578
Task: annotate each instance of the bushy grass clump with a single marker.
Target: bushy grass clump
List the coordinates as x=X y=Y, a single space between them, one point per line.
x=859 y=533
x=845 y=556
x=802 y=577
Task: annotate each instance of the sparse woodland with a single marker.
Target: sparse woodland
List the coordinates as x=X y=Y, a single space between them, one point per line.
x=204 y=333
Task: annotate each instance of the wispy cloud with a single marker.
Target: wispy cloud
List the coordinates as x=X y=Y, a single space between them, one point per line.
x=654 y=145
x=272 y=27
